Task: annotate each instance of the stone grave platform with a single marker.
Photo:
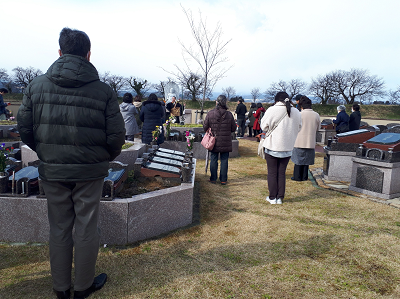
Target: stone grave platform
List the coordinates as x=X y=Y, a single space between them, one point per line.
x=122 y=221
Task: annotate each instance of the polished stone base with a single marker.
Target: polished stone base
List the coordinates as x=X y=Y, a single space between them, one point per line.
x=375 y=178
x=122 y=221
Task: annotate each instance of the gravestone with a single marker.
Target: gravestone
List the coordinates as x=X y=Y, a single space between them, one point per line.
x=326 y=131
x=24 y=181
x=376 y=168
x=393 y=129
x=113 y=183
x=169 y=156
x=165 y=150
x=340 y=151
x=171 y=162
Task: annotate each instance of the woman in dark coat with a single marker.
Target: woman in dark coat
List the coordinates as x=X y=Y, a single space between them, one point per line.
x=152 y=115
x=222 y=124
x=355 y=118
x=250 y=116
x=258 y=115
x=342 y=120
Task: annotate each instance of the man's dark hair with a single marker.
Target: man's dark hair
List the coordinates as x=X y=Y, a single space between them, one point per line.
x=298 y=97
x=240 y=100
x=253 y=105
x=127 y=98
x=259 y=105
x=3 y=90
x=356 y=107
x=305 y=102
x=74 y=42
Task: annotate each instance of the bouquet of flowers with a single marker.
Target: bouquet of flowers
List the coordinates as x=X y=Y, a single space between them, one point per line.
x=170 y=120
x=189 y=140
x=156 y=133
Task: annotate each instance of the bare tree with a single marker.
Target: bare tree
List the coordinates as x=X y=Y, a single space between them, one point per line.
x=255 y=94
x=292 y=88
x=357 y=84
x=229 y=92
x=193 y=84
x=116 y=82
x=394 y=96
x=6 y=80
x=208 y=54
x=322 y=88
x=139 y=85
x=3 y=75
x=24 y=76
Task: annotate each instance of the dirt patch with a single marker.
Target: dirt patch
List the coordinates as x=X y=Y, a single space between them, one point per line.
x=135 y=186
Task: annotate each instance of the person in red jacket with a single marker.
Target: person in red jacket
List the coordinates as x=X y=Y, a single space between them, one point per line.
x=258 y=116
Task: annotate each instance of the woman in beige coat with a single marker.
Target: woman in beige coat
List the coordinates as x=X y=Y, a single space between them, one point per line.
x=282 y=122
x=303 y=153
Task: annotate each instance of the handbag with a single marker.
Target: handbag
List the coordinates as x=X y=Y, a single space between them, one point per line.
x=208 y=140
x=176 y=111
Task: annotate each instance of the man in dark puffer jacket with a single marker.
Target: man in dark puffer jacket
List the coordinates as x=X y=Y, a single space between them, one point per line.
x=73 y=122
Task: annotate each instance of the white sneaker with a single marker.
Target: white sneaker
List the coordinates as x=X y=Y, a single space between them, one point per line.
x=271 y=201
x=279 y=201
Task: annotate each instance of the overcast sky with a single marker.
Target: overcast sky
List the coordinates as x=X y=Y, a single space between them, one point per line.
x=272 y=40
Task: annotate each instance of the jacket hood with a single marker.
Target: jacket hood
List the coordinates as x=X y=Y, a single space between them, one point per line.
x=137 y=104
x=124 y=106
x=72 y=71
x=152 y=105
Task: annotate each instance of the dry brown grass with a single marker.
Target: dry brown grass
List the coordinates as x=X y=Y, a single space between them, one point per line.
x=318 y=244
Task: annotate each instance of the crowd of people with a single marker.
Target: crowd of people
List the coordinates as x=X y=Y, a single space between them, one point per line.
x=75 y=148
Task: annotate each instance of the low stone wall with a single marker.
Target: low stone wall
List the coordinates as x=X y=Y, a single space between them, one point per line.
x=122 y=221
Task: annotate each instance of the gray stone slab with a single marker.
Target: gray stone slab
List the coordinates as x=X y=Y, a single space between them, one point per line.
x=369 y=178
x=166 y=150
x=23 y=220
x=27 y=155
x=340 y=166
x=113 y=222
x=170 y=162
x=162 y=167
x=164 y=211
x=169 y=156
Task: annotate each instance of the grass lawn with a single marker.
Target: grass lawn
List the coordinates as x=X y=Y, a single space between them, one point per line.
x=318 y=244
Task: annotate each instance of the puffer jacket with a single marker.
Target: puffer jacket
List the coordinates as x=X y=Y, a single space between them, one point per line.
x=128 y=111
x=152 y=115
x=72 y=121
x=222 y=124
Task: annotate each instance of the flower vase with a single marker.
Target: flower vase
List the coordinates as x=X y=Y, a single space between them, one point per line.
x=3 y=182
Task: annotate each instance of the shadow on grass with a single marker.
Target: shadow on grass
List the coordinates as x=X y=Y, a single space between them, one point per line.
x=137 y=273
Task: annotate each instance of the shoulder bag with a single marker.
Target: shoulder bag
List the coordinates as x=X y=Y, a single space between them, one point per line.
x=176 y=111
x=208 y=140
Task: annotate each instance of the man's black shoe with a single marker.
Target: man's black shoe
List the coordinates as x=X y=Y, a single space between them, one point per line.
x=98 y=283
x=63 y=294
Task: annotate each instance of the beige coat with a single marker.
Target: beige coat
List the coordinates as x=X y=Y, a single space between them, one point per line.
x=311 y=123
x=283 y=137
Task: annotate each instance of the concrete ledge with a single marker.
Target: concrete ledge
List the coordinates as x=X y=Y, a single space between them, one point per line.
x=122 y=221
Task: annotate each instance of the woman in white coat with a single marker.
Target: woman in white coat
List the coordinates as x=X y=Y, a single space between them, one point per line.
x=304 y=148
x=282 y=122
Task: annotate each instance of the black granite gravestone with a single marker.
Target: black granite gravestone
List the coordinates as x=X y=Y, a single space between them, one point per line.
x=369 y=178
